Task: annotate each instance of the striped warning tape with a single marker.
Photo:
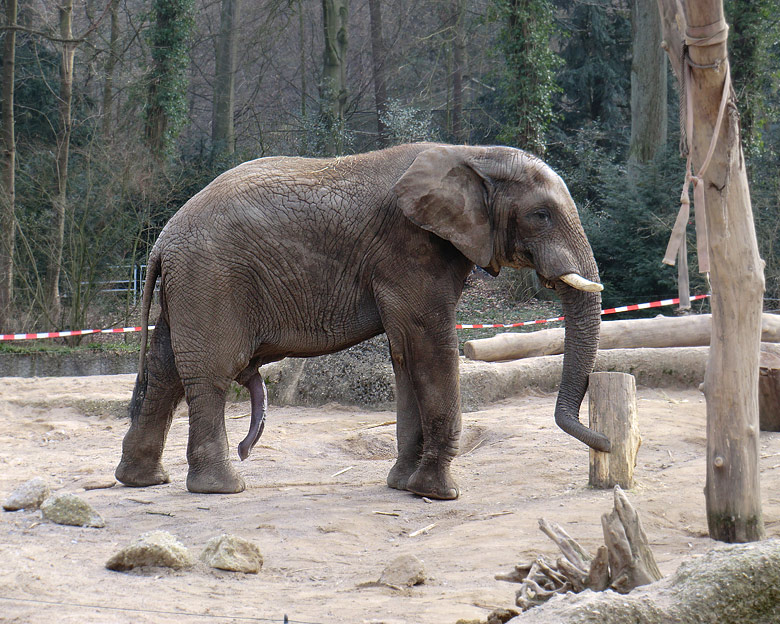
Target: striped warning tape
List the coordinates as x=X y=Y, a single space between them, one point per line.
x=125 y=330
x=72 y=332
x=628 y=308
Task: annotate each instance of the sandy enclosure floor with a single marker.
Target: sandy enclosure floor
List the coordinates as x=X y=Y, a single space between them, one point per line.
x=319 y=531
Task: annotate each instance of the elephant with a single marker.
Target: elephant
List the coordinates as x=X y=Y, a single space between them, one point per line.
x=299 y=257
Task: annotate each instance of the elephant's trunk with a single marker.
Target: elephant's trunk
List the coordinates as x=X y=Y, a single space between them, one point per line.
x=583 y=318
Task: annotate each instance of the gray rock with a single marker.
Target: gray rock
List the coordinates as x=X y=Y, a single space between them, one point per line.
x=404 y=571
x=156 y=548
x=71 y=510
x=235 y=554
x=29 y=495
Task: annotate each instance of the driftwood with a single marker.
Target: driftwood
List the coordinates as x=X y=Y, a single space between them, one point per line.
x=661 y=331
x=737 y=584
x=769 y=388
x=623 y=563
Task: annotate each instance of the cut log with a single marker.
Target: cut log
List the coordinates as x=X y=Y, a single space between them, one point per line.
x=661 y=331
x=769 y=388
x=613 y=412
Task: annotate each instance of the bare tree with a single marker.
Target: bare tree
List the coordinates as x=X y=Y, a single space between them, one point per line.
x=648 y=83
x=8 y=179
x=111 y=60
x=52 y=302
x=335 y=14
x=222 y=133
x=696 y=43
x=378 y=57
x=458 y=60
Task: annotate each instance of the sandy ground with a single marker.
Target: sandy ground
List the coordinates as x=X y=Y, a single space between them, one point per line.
x=320 y=532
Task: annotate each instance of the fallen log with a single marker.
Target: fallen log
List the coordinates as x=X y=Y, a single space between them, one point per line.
x=661 y=331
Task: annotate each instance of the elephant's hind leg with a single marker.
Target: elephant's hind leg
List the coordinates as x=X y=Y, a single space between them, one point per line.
x=211 y=471
x=154 y=399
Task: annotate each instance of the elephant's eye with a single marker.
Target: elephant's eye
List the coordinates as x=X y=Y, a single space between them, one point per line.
x=542 y=216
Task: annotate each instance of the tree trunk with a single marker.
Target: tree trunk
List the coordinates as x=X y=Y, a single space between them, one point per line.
x=59 y=204
x=333 y=93
x=648 y=83
x=731 y=383
x=8 y=175
x=378 y=56
x=222 y=132
x=113 y=55
x=458 y=60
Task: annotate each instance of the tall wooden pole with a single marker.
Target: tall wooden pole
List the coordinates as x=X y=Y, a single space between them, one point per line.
x=736 y=275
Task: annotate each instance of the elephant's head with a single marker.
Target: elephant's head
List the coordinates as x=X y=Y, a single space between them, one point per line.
x=503 y=207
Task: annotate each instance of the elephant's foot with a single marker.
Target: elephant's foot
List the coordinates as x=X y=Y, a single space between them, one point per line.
x=215 y=479
x=398 y=477
x=433 y=482
x=141 y=473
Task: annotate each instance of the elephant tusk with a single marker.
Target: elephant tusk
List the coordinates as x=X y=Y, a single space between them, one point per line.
x=580 y=283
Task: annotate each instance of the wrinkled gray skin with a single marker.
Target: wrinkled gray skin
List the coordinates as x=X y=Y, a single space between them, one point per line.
x=302 y=257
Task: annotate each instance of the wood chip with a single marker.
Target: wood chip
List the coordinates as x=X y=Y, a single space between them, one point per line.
x=341 y=472
x=421 y=531
x=386 y=513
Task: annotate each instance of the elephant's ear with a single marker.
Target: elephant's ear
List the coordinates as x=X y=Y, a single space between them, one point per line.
x=444 y=194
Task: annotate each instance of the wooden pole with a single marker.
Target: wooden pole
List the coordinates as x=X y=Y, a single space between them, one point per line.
x=736 y=271
x=683 y=280
x=613 y=412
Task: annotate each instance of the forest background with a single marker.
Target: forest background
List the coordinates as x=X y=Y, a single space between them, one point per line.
x=123 y=109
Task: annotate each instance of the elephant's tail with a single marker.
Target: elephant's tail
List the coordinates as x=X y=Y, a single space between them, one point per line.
x=139 y=392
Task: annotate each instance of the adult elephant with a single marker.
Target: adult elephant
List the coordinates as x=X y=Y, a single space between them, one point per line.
x=301 y=257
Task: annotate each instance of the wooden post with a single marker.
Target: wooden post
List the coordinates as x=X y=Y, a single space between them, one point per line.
x=683 y=279
x=732 y=491
x=613 y=412
x=769 y=388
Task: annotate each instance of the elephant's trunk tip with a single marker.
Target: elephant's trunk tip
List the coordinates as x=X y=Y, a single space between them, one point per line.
x=571 y=425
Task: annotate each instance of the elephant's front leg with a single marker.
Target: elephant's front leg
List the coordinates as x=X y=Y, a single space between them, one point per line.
x=431 y=364
x=210 y=468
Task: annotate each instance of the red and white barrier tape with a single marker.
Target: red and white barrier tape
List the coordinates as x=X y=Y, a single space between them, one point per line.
x=124 y=330
x=73 y=332
x=628 y=308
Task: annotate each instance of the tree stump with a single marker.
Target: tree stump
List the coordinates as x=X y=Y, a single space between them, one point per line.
x=769 y=388
x=613 y=412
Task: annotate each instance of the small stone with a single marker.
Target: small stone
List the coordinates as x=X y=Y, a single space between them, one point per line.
x=71 y=510
x=156 y=548
x=98 y=484
x=406 y=570
x=235 y=554
x=29 y=495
